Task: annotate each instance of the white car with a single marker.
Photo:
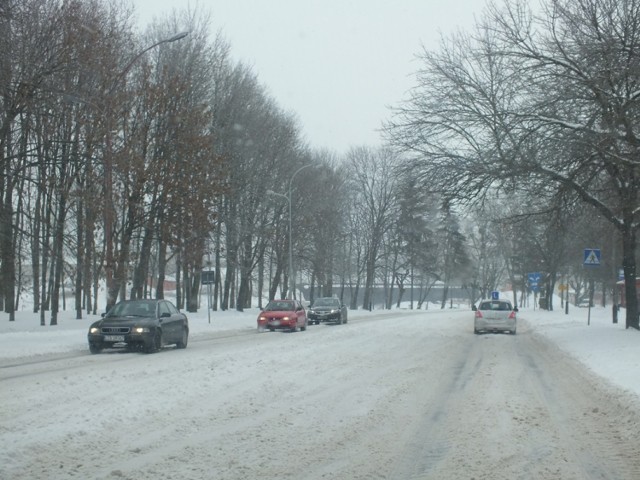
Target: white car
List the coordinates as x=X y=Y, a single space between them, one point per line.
x=494 y=316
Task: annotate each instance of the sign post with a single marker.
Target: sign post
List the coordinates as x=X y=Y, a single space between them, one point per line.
x=208 y=277
x=533 y=279
x=592 y=258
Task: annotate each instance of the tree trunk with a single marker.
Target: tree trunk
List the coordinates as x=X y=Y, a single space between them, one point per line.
x=260 y=280
x=7 y=267
x=80 y=259
x=244 y=289
x=355 y=291
x=179 y=296
x=629 y=266
x=276 y=282
x=141 y=271
x=445 y=295
x=162 y=266
x=58 y=255
x=369 y=280
x=192 y=293
x=218 y=267
x=228 y=282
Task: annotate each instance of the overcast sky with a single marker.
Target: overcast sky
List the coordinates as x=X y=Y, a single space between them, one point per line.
x=336 y=64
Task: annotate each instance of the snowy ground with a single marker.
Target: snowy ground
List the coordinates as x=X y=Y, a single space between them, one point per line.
x=390 y=395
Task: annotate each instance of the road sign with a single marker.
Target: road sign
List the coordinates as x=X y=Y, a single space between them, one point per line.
x=534 y=280
x=495 y=295
x=208 y=277
x=534 y=277
x=591 y=257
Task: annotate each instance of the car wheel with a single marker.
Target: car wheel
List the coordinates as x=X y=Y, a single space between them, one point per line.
x=476 y=331
x=155 y=344
x=304 y=326
x=513 y=332
x=184 y=340
x=95 y=348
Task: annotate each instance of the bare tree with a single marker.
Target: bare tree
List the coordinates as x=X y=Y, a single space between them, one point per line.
x=412 y=240
x=374 y=190
x=485 y=253
x=551 y=98
x=588 y=113
x=31 y=54
x=327 y=213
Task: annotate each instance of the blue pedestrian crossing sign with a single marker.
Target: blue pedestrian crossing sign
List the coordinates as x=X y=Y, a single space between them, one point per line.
x=591 y=257
x=495 y=295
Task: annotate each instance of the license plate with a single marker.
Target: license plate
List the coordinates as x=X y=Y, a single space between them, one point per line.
x=275 y=323
x=114 y=338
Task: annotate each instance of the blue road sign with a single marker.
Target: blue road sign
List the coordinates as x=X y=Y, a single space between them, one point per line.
x=534 y=281
x=591 y=257
x=495 y=295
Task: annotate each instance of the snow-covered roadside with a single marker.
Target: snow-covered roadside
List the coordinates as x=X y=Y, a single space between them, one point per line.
x=608 y=349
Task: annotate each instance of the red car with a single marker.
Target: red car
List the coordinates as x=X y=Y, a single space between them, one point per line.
x=283 y=315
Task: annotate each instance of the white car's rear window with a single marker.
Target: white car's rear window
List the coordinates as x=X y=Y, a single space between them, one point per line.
x=495 y=306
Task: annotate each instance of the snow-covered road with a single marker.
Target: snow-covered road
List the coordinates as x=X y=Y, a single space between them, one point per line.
x=404 y=395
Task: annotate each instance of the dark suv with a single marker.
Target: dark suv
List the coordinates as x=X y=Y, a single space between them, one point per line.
x=327 y=309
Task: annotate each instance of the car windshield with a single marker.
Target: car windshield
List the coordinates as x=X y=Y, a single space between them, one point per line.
x=137 y=308
x=502 y=306
x=279 y=305
x=326 y=302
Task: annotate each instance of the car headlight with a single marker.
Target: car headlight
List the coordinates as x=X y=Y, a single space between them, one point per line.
x=262 y=319
x=286 y=319
x=94 y=330
x=139 y=330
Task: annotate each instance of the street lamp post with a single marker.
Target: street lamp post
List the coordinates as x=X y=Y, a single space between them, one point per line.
x=292 y=280
x=108 y=171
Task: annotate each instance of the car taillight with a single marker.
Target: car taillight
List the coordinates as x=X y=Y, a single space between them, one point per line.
x=478 y=314
x=512 y=314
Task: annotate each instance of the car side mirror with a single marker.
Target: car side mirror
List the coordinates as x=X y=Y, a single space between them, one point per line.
x=474 y=308
x=515 y=309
